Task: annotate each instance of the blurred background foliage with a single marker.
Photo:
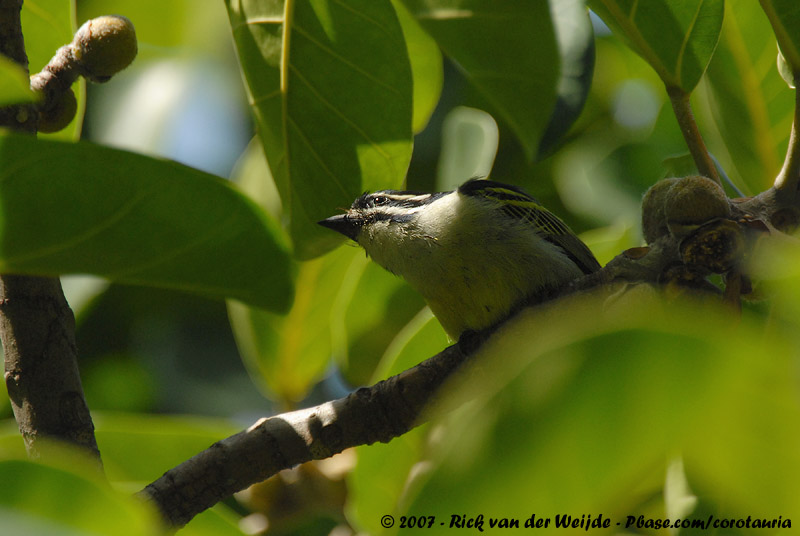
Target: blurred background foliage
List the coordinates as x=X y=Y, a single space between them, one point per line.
x=591 y=414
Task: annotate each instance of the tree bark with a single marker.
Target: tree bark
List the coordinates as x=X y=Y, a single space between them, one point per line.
x=37 y=327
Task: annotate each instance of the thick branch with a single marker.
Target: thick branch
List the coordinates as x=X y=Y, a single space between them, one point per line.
x=379 y=413
x=37 y=327
x=691 y=134
x=41 y=371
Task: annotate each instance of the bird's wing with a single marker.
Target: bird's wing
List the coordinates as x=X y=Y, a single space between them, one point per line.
x=518 y=204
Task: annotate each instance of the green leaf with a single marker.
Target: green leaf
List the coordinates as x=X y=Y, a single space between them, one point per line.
x=14 y=83
x=426 y=67
x=421 y=338
x=677 y=38
x=370 y=498
x=140 y=447
x=584 y=417
x=750 y=104
x=576 y=47
x=48 y=25
x=469 y=144
x=378 y=306
x=287 y=354
x=82 y=208
x=331 y=87
x=784 y=15
x=507 y=49
x=63 y=500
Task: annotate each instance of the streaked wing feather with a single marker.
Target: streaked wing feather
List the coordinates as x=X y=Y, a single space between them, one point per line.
x=518 y=204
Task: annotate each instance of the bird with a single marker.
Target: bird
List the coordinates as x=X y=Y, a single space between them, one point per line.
x=476 y=254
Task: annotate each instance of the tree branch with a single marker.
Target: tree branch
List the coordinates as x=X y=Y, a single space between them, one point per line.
x=37 y=327
x=382 y=412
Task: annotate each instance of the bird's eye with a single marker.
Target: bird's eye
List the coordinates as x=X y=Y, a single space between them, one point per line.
x=379 y=200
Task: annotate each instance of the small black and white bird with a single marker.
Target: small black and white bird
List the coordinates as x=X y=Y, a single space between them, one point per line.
x=475 y=253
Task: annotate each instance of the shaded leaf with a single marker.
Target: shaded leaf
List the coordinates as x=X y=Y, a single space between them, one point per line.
x=331 y=87
x=575 y=39
x=750 y=104
x=287 y=354
x=370 y=498
x=82 y=208
x=377 y=305
x=507 y=49
x=677 y=39
x=784 y=15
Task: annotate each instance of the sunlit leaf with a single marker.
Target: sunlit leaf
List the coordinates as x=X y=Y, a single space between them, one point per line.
x=14 y=83
x=470 y=139
x=331 y=87
x=507 y=49
x=82 y=208
x=67 y=500
x=139 y=447
x=426 y=66
x=677 y=39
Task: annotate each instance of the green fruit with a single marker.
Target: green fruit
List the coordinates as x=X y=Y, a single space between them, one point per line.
x=693 y=201
x=104 y=46
x=654 y=222
x=59 y=116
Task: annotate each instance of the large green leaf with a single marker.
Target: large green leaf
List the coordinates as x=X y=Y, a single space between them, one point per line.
x=48 y=25
x=67 y=500
x=784 y=15
x=331 y=87
x=82 y=208
x=577 y=410
x=750 y=103
x=507 y=49
x=676 y=37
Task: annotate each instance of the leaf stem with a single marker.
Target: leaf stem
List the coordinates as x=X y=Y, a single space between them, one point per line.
x=683 y=112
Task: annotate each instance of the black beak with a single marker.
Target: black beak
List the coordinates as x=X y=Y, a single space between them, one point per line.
x=342 y=223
